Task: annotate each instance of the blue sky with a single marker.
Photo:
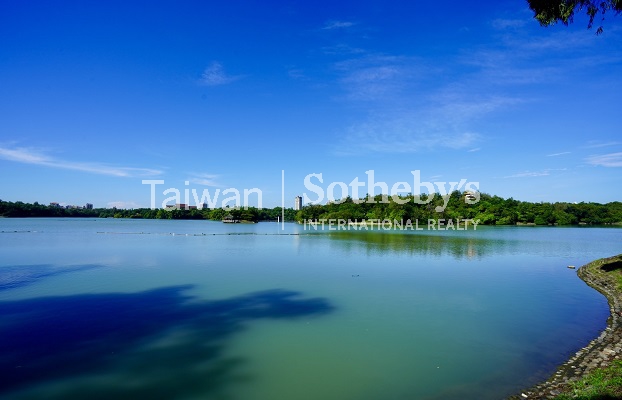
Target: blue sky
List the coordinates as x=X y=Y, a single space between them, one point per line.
x=97 y=96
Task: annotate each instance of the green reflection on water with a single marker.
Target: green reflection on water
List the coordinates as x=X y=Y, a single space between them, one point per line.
x=457 y=247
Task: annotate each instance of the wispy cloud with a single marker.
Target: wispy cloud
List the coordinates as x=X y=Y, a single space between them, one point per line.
x=457 y=106
x=337 y=25
x=507 y=66
x=296 y=73
x=402 y=133
x=445 y=122
x=378 y=77
x=204 y=179
x=564 y=42
x=528 y=174
x=533 y=174
x=215 y=75
x=598 y=144
x=501 y=23
x=558 y=154
x=474 y=150
x=124 y=204
x=342 y=49
x=32 y=156
x=412 y=111
x=514 y=59
x=606 y=160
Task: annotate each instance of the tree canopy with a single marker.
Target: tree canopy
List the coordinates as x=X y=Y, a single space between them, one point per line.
x=549 y=12
x=19 y=209
x=490 y=210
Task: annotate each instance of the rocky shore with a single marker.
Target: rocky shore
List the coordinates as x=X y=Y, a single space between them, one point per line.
x=600 y=352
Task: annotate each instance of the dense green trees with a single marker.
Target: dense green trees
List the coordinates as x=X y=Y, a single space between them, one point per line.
x=490 y=210
x=549 y=12
x=19 y=209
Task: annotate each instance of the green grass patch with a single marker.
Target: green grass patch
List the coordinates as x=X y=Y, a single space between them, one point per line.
x=618 y=276
x=613 y=267
x=600 y=384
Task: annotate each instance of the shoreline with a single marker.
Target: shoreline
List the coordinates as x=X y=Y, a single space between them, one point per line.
x=601 y=351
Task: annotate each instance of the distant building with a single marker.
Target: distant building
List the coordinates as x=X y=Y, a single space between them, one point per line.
x=298 y=203
x=470 y=196
x=54 y=204
x=88 y=206
x=179 y=206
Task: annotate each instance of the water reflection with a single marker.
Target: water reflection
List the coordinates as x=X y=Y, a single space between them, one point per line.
x=458 y=247
x=154 y=344
x=14 y=276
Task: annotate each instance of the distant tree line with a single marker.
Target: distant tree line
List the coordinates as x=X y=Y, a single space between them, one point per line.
x=490 y=210
x=19 y=209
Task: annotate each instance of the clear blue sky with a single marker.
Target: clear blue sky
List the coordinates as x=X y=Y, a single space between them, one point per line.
x=97 y=96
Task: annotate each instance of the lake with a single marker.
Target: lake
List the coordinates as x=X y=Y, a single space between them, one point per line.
x=144 y=309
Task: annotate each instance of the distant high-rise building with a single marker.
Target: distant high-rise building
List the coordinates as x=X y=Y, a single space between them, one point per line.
x=298 y=203
x=88 y=206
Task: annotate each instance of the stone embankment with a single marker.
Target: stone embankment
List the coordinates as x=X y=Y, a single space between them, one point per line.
x=600 y=352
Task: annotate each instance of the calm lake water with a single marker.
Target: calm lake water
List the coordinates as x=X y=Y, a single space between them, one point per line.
x=160 y=309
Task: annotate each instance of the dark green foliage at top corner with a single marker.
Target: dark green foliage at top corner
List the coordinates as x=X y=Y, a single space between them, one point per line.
x=549 y=12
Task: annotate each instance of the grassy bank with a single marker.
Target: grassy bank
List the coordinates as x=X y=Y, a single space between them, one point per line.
x=604 y=383
x=595 y=371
